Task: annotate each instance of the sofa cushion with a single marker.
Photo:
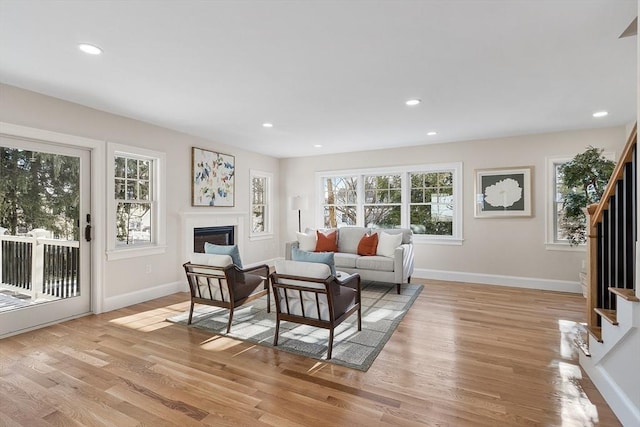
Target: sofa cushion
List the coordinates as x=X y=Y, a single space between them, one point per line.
x=407 y=234
x=349 y=238
x=320 y=257
x=345 y=260
x=327 y=242
x=307 y=241
x=388 y=243
x=368 y=245
x=231 y=250
x=378 y=263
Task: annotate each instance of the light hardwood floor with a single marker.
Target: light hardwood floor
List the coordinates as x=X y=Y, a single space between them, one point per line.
x=465 y=355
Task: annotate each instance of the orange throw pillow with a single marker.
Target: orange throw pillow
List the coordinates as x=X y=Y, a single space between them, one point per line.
x=368 y=245
x=328 y=242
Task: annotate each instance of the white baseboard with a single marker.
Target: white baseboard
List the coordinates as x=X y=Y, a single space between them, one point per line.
x=496 y=279
x=136 y=297
x=621 y=405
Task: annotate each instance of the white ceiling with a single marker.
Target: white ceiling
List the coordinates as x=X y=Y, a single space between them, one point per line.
x=335 y=73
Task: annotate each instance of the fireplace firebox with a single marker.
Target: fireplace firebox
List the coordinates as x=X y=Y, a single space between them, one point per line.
x=220 y=235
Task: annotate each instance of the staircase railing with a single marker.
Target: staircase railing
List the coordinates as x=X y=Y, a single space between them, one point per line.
x=611 y=246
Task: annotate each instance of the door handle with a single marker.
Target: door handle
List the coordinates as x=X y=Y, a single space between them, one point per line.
x=87 y=233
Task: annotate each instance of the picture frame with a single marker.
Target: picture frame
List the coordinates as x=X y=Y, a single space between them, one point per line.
x=503 y=192
x=212 y=178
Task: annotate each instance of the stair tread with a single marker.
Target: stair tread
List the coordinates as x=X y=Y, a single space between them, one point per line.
x=628 y=294
x=596 y=332
x=609 y=315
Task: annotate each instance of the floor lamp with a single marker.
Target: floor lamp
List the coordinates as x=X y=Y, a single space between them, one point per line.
x=299 y=203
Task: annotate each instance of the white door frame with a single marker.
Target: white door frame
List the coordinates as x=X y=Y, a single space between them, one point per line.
x=98 y=162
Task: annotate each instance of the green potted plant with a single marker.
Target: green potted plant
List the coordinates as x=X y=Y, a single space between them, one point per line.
x=584 y=180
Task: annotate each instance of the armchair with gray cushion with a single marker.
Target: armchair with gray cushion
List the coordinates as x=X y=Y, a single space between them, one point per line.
x=214 y=280
x=307 y=293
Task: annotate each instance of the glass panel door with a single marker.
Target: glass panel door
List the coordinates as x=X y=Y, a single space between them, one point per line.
x=44 y=257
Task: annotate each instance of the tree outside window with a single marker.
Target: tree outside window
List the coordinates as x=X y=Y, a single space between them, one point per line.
x=431 y=206
x=340 y=201
x=259 y=204
x=133 y=195
x=383 y=201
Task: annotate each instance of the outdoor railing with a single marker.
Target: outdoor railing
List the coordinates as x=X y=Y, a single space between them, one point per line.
x=40 y=267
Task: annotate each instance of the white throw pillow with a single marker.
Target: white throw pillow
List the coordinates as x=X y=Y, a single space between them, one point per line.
x=387 y=244
x=307 y=241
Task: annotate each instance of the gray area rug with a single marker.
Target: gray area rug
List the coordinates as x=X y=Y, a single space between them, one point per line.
x=382 y=311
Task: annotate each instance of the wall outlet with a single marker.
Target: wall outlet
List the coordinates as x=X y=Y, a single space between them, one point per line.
x=584 y=264
x=147 y=268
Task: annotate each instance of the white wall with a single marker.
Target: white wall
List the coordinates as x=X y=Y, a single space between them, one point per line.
x=503 y=247
x=128 y=277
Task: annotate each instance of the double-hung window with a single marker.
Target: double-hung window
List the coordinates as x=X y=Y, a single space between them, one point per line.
x=136 y=203
x=425 y=198
x=261 y=224
x=383 y=201
x=339 y=200
x=431 y=208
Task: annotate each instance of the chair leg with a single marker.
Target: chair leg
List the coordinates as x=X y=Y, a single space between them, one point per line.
x=275 y=337
x=359 y=318
x=398 y=286
x=268 y=300
x=230 y=319
x=330 y=344
x=190 y=313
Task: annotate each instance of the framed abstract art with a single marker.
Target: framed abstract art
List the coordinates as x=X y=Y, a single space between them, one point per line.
x=503 y=192
x=212 y=178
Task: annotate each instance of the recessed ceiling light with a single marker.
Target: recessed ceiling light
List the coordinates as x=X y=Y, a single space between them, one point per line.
x=90 y=49
x=317 y=145
x=432 y=133
x=413 y=102
x=600 y=114
x=267 y=125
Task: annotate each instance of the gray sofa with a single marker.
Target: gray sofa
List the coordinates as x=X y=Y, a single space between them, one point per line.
x=396 y=270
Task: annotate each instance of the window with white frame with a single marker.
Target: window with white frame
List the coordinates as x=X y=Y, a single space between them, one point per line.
x=339 y=200
x=556 y=238
x=260 y=203
x=383 y=201
x=431 y=209
x=425 y=198
x=136 y=206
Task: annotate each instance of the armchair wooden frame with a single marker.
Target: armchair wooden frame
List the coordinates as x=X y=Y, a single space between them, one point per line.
x=203 y=278
x=282 y=286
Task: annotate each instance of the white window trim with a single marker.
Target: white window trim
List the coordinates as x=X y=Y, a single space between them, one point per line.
x=158 y=184
x=457 y=168
x=268 y=234
x=551 y=243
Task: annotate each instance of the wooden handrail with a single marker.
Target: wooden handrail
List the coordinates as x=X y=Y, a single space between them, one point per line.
x=616 y=175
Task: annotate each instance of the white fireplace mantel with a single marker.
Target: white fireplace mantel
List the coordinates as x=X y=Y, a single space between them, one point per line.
x=191 y=220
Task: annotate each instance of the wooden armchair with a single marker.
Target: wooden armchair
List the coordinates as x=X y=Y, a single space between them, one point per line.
x=307 y=293
x=215 y=280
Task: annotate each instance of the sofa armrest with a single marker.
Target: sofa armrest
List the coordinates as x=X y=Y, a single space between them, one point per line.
x=288 y=247
x=403 y=262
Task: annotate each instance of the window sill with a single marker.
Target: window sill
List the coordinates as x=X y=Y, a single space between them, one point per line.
x=565 y=247
x=116 y=254
x=422 y=240
x=265 y=236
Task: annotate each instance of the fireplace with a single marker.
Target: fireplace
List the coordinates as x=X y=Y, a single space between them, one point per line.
x=219 y=235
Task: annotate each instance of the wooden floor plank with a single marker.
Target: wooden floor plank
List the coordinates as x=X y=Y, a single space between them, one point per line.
x=464 y=355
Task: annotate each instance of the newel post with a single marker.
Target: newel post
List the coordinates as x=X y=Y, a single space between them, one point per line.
x=592 y=269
